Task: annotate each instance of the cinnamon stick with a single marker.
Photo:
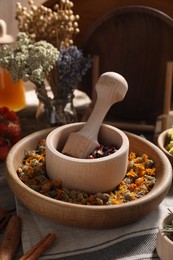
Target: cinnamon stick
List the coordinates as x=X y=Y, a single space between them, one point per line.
x=39 y=248
x=11 y=239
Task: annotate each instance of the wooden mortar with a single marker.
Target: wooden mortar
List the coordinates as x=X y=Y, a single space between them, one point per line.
x=90 y=175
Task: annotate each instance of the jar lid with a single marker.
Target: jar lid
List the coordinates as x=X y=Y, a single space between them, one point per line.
x=4 y=37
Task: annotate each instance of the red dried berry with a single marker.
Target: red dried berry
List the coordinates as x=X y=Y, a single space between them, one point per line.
x=10 y=130
x=3 y=129
x=3 y=110
x=13 y=129
x=2 y=140
x=11 y=116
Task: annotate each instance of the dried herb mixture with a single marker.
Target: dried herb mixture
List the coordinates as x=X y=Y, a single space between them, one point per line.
x=168 y=227
x=139 y=180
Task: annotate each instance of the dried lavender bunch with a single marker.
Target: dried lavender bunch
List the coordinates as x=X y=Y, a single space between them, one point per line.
x=28 y=60
x=71 y=67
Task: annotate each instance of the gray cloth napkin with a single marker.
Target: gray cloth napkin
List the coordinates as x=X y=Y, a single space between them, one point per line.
x=135 y=241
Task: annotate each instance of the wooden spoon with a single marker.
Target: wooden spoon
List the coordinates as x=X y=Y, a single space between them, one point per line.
x=111 y=87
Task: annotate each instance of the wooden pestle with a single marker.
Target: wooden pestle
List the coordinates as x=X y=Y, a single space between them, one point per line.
x=111 y=87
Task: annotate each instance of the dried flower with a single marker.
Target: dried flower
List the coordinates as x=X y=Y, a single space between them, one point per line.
x=71 y=66
x=57 y=27
x=44 y=33
x=168 y=227
x=28 y=60
x=131 y=188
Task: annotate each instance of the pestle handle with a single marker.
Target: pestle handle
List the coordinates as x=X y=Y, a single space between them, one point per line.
x=110 y=88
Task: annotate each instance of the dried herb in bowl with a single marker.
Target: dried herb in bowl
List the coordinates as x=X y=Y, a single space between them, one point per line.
x=139 y=180
x=168 y=227
x=169 y=146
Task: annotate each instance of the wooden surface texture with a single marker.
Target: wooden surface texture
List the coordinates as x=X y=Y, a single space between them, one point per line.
x=92 y=10
x=136 y=42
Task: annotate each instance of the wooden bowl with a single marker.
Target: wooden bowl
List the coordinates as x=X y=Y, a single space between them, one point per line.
x=89 y=175
x=164 y=245
x=84 y=215
x=162 y=141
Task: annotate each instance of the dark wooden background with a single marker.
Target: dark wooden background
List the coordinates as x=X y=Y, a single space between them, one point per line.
x=91 y=10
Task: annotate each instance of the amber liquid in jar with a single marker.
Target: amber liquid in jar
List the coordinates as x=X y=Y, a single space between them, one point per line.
x=12 y=95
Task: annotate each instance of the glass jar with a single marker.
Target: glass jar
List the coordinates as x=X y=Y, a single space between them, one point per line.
x=57 y=112
x=11 y=95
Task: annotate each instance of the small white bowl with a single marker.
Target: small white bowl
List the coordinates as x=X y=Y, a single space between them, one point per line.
x=164 y=245
x=90 y=175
